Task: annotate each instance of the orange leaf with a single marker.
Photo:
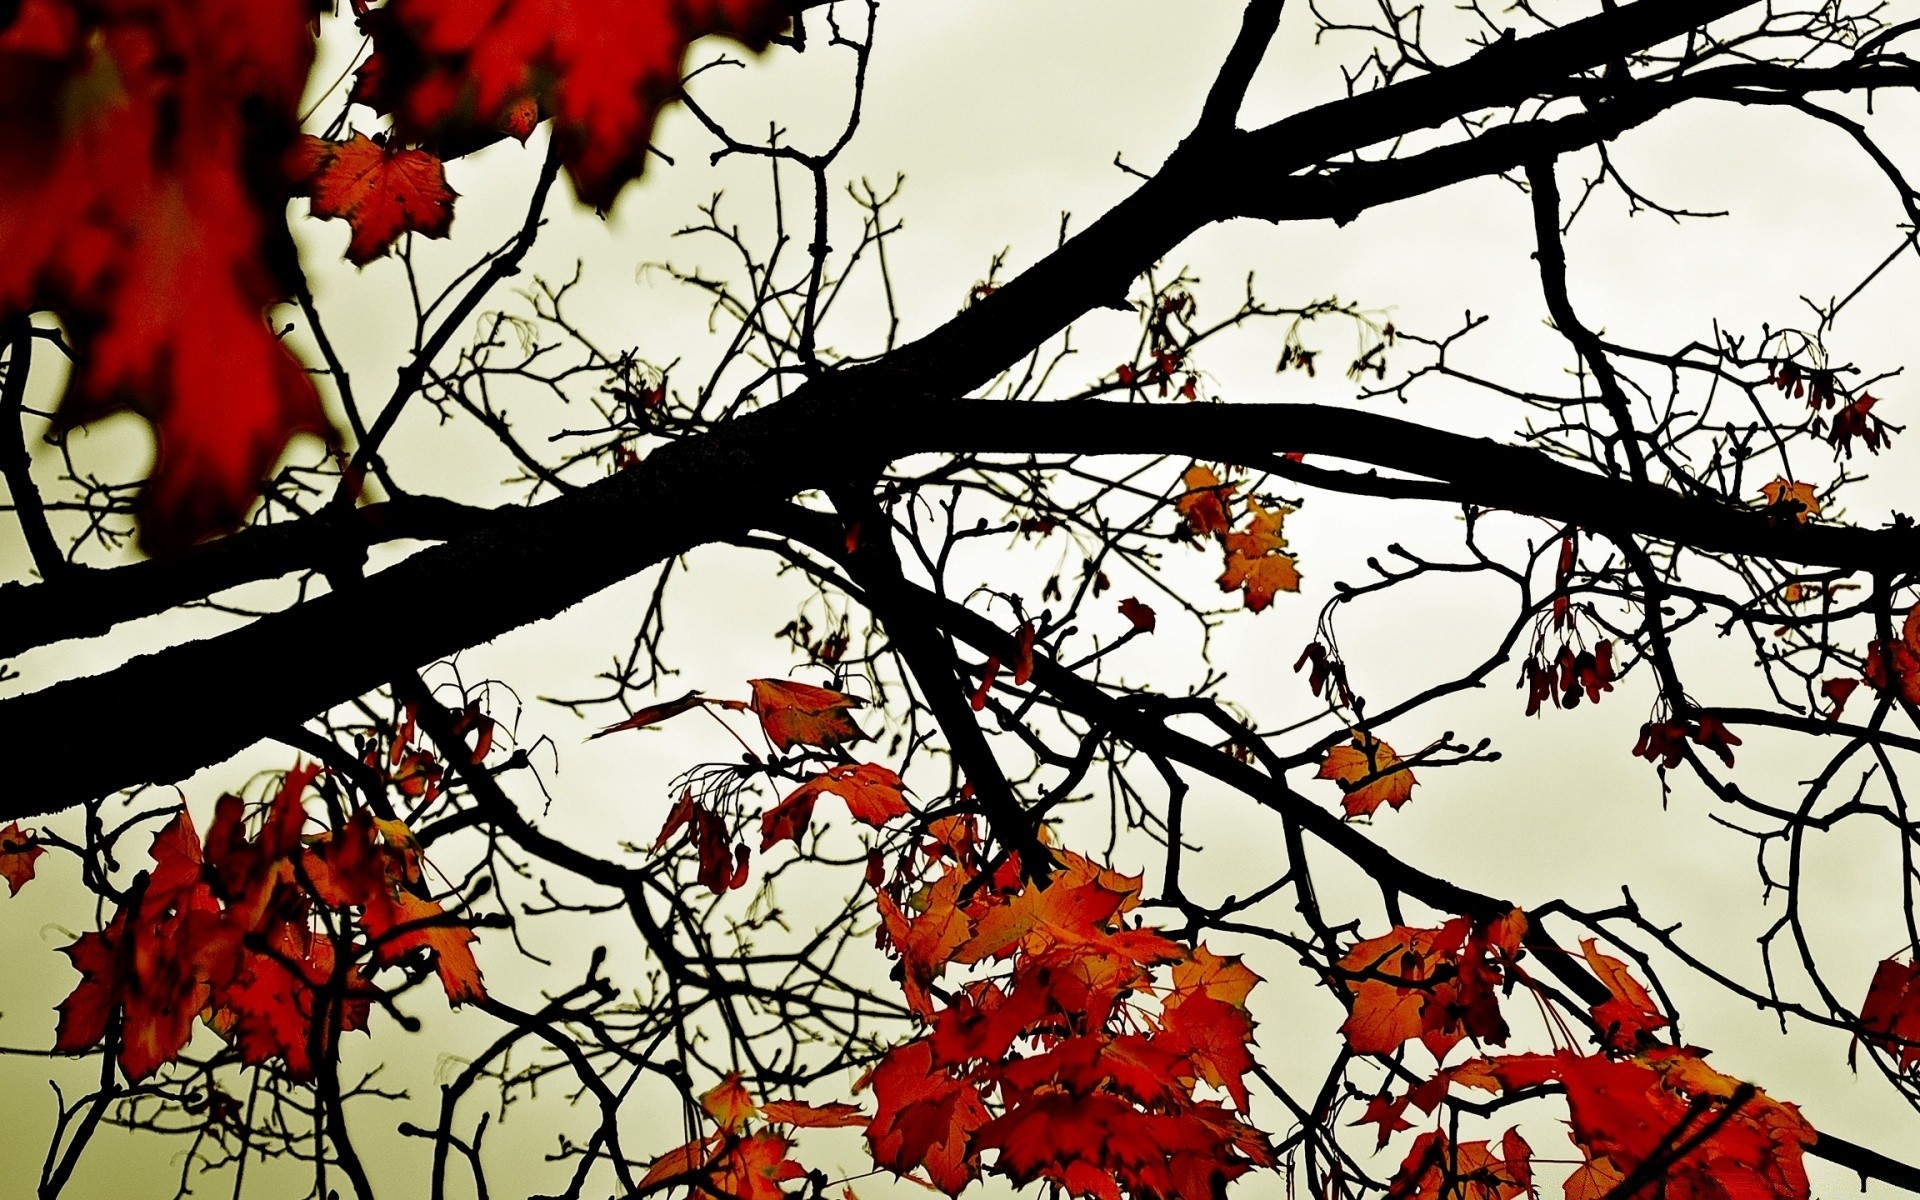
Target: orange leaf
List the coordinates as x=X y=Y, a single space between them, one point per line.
x=799 y=714
x=1369 y=773
x=812 y=1116
x=1204 y=502
x=17 y=852
x=872 y=794
x=381 y=190
x=1783 y=492
x=729 y=1103
x=1256 y=559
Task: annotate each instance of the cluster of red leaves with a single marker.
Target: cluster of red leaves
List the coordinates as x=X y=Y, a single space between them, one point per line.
x=1256 y=560
x=1053 y=1064
x=737 y=1162
x=151 y=148
x=1665 y=742
x=1705 y=1135
x=1565 y=677
x=1634 y=1105
x=1891 y=1014
x=1854 y=419
x=454 y=71
x=791 y=714
x=1369 y=774
x=1893 y=664
x=1440 y=1169
x=228 y=930
x=1165 y=355
x=1437 y=985
x=141 y=165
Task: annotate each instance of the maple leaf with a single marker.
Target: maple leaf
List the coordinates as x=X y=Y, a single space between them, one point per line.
x=1739 y=1140
x=1893 y=665
x=1369 y=773
x=1139 y=615
x=1203 y=503
x=1791 y=499
x=398 y=923
x=18 y=850
x=754 y=1168
x=1438 y=985
x=925 y=1118
x=1890 y=1016
x=1630 y=1017
x=602 y=69
x=1256 y=559
x=142 y=167
x=278 y=1000
x=729 y=1103
x=1438 y=1169
x=872 y=794
x=799 y=714
x=381 y=189
x=836 y=1115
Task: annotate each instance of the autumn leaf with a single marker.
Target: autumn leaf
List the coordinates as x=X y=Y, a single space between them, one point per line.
x=1890 y=1016
x=381 y=189
x=141 y=202
x=1256 y=560
x=1791 y=499
x=729 y=1103
x=799 y=714
x=1139 y=615
x=18 y=850
x=1437 y=1169
x=1369 y=773
x=1203 y=502
x=1742 y=1141
x=1893 y=665
x=1438 y=985
x=836 y=1115
x=654 y=714
x=602 y=69
x=872 y=793
x=754 y=1168
x=1631 y=1016
x=925 y=1118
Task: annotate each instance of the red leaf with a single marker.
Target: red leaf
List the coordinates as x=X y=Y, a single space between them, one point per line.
x=925 y=1120
x=140 y=201
x=1139 y=614
x=1891 y=1013
x=601 y=68
x=1203 y=505
x=729 y=1103
x=381 y=190
x=653 y=714
x=799 y=714
x=988 y=674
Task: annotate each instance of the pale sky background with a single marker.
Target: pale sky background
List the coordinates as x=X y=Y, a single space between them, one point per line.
x=1002 y=115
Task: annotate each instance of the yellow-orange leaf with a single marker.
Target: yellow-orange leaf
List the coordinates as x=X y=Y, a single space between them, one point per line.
x=1370 y=774
x=1784 y=491
x=1257 y=561
x=1204 y=502
x=729 y=1103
